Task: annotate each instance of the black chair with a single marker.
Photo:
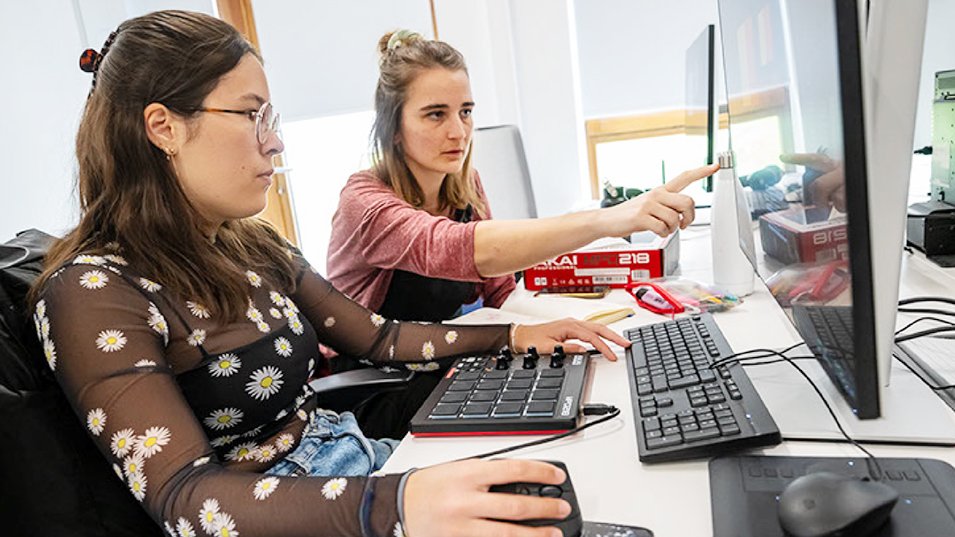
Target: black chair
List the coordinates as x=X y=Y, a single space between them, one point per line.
x=55 y=480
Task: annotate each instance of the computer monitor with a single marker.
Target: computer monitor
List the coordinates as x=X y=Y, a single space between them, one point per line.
x=701 y=115
x=794 y=80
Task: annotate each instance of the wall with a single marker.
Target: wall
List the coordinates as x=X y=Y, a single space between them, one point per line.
x=939 y=55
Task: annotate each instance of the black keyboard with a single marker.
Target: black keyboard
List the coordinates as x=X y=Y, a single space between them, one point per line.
x=505 y=394
x=682 y=408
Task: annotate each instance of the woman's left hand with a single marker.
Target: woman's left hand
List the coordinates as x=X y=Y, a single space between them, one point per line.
x=545 y=336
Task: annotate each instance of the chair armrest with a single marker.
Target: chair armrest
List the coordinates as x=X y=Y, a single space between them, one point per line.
x=348 y=389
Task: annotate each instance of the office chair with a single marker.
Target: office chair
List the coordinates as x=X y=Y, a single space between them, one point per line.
x=498 y=155
x=64 y=485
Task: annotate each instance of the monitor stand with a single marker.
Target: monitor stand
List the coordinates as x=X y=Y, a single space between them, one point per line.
x=911 y=412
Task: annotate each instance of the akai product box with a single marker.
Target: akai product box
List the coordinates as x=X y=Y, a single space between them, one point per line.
x=787 y=237
x=608 y=263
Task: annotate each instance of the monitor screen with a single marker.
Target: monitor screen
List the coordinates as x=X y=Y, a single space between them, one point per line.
x=700 y=120
x=793 y=78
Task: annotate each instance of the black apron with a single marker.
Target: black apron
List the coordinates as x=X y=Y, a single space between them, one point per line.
x=412 y=297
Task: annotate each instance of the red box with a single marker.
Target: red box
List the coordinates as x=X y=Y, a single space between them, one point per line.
x=786 y=237
x=608 y=265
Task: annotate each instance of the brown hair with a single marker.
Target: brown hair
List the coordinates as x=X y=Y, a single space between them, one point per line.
x=128 y=191
x=403 y=55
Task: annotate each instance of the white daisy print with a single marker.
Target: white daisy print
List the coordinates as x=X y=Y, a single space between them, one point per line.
x=254 y=278
x=145 y=363
x=451 y=337
x=149 y=285
x=152 y=441
x=377 y=320
x=398 y=531
x=96 y=421
x=290 y=305
x=253 y=433
x=387 y=369
x=282 y=413
x=197 y=337
x=41 y=309
x=265 y=487
x=427 y=350
x=89 y=260
x=224 y=418
x=296 y=325
x=111 y=340
x=264 y=453
x=169 y=530
x=302 y=415
x=137 y=485
x=122 y=442
x=264 y=383
x=283 y=347
x=225 y=365
x=224 y=526
x=253 y=314
x=118 y=259
x=223 y=440
x=207 y=515
x=49 y=351
x=244 y=451
x=197 y=309
x=200 y=461
x=329 y=322
x=284 y=442
x=276 y=314
x=334 y=488
x=277 y=298
x=430 y=366
x=119 y=472
x=94 y=279
x=391 y=352
x=158 y=323
x=184 y=527
x=44 y=328
x=133 y=464
x=263 y=327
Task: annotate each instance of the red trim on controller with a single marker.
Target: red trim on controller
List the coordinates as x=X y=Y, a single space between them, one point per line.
x=489 y=433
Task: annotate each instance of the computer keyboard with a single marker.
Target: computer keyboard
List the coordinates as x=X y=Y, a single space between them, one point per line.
x=682 y=408
x=506 y=394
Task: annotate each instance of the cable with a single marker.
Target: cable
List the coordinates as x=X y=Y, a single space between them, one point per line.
x=915 y=299
x=875 y=477
x=767 y=352
x=920 y=319
x=924 y=380
x=927 y=310
x=613 y=413
x=928 y=332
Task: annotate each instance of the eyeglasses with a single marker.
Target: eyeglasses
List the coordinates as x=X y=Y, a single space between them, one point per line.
x=266 y=120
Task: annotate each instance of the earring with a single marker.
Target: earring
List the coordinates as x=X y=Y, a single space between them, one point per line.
x=169 y=153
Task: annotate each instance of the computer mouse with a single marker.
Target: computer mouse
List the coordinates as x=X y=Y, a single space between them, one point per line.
x=826 y=504
x=570 y=526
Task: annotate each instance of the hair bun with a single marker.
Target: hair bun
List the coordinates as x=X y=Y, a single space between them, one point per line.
x=89 y=60
x=396 y=39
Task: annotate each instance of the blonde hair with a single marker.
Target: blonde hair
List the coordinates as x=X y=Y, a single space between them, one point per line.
x=403 y=55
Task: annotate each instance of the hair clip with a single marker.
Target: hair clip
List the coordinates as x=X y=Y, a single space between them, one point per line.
x=398 y=37
x=89 y=60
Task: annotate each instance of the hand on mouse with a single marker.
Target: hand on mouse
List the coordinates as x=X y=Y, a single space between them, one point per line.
x=452 y=500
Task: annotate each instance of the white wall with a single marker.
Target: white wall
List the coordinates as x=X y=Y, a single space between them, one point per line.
x=939 y=55
x=632 y=52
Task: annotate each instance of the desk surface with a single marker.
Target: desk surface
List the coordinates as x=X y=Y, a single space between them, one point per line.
x=672 y=499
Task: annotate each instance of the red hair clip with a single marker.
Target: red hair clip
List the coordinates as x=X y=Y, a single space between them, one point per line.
x=651 y=296
x=89 y=60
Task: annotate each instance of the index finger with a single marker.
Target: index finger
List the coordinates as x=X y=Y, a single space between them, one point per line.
x=501 y=471
x=688 y=177
x=812 y=160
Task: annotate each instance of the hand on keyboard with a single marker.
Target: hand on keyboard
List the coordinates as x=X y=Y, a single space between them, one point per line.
x=545 y=336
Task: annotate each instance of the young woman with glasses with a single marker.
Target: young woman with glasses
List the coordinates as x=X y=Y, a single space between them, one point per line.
x=184 y=331
x=413 y=237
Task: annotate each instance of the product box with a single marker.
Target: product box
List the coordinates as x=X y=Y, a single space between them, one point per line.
x=607 y=263
x=787 y=238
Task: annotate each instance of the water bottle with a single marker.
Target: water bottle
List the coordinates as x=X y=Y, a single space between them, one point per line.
x=732 y=270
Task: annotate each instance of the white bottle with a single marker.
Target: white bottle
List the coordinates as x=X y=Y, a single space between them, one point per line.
x=730 y=225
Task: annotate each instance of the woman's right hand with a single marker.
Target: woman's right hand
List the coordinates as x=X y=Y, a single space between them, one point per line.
x=662 y=210
x=452 y=500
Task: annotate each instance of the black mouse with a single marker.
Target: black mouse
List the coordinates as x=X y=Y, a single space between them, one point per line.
x=570 y=526
x=826 y=504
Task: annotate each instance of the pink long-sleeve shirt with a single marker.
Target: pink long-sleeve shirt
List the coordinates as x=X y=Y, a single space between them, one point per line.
x=374 y=233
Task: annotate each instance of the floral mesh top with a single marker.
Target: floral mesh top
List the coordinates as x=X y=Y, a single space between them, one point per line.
x=190 y=410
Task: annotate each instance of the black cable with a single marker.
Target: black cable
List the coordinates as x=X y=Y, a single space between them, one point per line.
x=932 y=311
x=920 y=319
x=613 y=414
x=928 y=332
x=915 y=299
x=767 y=352
x=924 y=380
x=879 y=474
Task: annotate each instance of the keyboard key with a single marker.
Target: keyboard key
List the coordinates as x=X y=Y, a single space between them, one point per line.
x=552 y=373
x=702 y=434
x=664 y=441
x=684 y=382
x=447 y=411
x=664 y=402
x=648 y=412
x=729 y=430
x=523 y=374
x=670 y=431
x=461 y=386
x=490 y=385
x=698 y=402
x=514 y=395
x=668 y=423
x=495 y=374
x=507 y=410
x=540 y=409
x=467 y=375
x=644 y=389
x=656 y=433
x=549 y=383
x=454 y=397
x=706 y=424
x=476 y=410
x=519 y=384
x=651 y=424
x=545 y=395
x=480 y=397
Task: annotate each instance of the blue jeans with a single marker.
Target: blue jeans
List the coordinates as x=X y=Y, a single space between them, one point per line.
x=333 y=445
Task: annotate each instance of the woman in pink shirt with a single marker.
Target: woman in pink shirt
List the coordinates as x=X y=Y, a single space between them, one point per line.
x=413 y=237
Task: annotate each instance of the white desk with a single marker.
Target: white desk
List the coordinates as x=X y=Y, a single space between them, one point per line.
x=672 y=499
